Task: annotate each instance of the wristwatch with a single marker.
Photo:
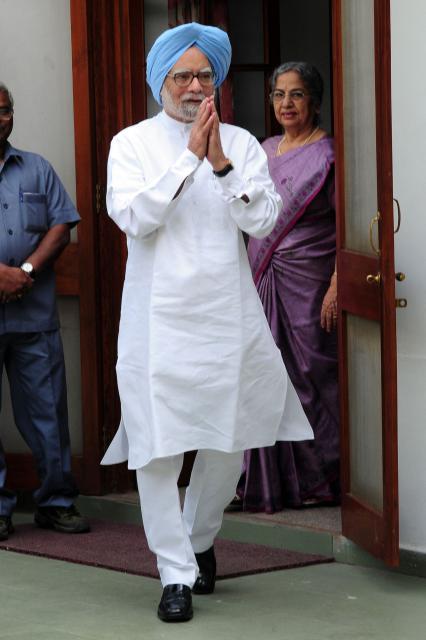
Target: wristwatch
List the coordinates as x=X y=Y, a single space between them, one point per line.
x=28 y=268
x=224 y=172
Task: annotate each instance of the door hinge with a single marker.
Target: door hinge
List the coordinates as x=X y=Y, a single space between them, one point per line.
x=98 y=192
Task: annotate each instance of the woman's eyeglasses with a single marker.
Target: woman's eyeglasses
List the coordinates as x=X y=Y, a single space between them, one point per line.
x=295 y=96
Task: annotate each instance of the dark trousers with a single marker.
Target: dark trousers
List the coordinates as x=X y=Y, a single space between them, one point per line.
x=35 y=367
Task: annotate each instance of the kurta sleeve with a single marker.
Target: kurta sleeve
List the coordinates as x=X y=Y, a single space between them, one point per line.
x=139 y=207
x=253 y=202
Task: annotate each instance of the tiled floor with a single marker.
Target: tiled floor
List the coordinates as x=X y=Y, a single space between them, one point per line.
x=44 y=599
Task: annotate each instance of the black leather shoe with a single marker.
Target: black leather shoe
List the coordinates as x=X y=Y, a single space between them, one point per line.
x=64 y=519
x=206 y=580
x=176 y=603
x=6 y=527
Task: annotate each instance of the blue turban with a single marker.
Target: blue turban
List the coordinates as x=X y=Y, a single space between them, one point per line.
x=173 y=43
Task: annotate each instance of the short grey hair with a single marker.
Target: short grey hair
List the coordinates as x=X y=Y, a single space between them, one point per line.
x=4 y=89
x=310 y=77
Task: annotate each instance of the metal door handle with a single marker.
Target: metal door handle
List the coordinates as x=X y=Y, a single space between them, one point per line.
x=374 y=221
x=398 y=208
x=374 y=279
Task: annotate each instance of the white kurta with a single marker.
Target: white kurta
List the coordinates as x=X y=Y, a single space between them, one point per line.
x=197 y=365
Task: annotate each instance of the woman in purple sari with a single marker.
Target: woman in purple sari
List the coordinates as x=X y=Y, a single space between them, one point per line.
x=294 y=271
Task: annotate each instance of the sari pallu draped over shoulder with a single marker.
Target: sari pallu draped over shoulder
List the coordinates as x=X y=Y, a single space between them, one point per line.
x=299 y=176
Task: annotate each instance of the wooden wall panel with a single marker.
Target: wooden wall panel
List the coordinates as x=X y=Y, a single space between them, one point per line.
x=22 y=475
x=67 y=269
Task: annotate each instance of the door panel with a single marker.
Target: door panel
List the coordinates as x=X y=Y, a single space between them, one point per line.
x=366 y=274
x=365 y=410
x=359 y=121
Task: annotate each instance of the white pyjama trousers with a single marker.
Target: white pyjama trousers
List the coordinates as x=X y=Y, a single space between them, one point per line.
x=176 y=534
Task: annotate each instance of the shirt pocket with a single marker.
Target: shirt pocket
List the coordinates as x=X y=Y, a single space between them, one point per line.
x=34 y=211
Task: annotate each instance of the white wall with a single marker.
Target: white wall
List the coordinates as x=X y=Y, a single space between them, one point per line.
x=35 y=63
x=409 y=166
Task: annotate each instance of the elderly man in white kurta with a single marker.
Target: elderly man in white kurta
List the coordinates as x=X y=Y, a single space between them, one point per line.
x=197 y=365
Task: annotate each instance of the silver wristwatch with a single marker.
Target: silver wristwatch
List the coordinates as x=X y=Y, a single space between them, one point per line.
x=28 y=268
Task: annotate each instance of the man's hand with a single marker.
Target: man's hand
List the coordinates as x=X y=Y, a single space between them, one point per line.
x=215 y=154
x=13 y=283
x=198 y=139
x=329 y=306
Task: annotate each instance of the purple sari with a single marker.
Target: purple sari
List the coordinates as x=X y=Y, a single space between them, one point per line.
x=292 y=269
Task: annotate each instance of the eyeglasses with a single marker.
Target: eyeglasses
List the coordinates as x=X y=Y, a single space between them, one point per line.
x=295 y=96
x=6 y=113
x=184 y=78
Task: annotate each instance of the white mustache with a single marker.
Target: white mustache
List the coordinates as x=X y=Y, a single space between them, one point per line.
x=193 y=96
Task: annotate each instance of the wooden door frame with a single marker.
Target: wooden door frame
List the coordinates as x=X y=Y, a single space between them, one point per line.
x=379 y=534
x=109 y=94
x=91 y=378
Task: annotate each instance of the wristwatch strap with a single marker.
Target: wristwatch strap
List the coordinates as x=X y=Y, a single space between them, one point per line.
x=224 y=172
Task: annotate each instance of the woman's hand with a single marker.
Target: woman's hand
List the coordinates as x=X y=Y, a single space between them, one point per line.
x=329 y=306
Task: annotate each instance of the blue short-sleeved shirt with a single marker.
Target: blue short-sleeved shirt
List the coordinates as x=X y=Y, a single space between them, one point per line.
x=32 y=200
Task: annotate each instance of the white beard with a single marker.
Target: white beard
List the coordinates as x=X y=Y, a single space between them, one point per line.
x=181 y=110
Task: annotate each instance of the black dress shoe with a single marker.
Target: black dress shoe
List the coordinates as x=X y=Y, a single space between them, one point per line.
x=206 y=580
x=6 y=527
x=176 y=603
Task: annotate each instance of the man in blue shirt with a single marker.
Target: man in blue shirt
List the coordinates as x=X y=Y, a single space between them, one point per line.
x=36 y=215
